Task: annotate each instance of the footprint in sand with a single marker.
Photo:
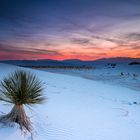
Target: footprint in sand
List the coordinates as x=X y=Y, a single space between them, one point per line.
x=56 y=92
x=122 y=112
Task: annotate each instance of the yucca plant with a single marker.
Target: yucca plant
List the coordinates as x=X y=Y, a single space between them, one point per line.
x=20 y=88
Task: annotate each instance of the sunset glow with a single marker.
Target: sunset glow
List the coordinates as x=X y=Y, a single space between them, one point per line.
x=59 y=29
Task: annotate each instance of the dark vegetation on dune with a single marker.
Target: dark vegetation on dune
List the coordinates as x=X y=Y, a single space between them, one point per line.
x=134 y=63
x=60 y=67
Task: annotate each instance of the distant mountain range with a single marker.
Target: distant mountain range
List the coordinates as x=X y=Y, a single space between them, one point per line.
x=119 y=59
x=70 y=62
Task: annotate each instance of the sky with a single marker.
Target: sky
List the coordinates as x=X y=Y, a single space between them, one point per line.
x=69 y=29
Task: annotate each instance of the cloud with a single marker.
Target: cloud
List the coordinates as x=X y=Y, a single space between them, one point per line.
x=14 y=49
x=116 y=41
x=133 y=36
x=138 y=55
x=81 y=41
x=48 y=44
x=87 y=56
x=89 y=32
x=44 y=51
x=137 y=47
x=10 y=48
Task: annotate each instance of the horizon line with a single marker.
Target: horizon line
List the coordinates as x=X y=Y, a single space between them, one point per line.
x=68 y=59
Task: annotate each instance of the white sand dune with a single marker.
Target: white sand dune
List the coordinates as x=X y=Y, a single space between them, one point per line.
x=79 y=109
x=104 y=73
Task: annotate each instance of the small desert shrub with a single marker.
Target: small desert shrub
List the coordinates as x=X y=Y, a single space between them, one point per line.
x=135 y=76
x=122 y=74
x=134 y=63
x=20 y=88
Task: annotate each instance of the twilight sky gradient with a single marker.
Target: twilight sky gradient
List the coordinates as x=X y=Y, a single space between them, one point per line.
x=69 y=29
